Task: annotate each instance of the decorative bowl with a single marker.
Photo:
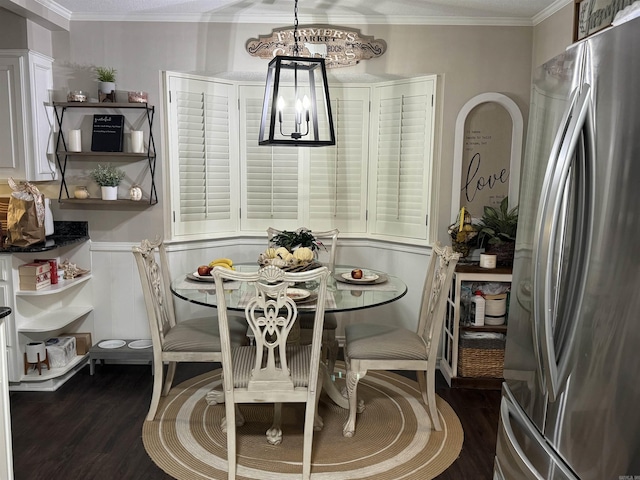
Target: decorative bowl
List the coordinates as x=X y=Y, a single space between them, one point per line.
x=137 y=97
x=77 y=96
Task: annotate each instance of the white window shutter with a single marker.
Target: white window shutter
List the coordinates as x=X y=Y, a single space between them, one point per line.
x=270 y=176
x=203 y=155
x=402 y=152
x=338 y=174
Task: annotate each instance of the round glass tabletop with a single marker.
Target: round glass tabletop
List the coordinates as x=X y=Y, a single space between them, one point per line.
x=343 y=293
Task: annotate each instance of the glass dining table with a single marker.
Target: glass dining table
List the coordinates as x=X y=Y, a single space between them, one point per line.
x=343 y=294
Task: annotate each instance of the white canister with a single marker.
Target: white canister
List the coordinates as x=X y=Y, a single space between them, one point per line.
x=477 y=309
x=495 y=311
x=75 y=141
x=487 y=260
x=36 y=352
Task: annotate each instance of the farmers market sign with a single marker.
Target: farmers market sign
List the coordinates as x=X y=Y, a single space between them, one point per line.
x=339 y=46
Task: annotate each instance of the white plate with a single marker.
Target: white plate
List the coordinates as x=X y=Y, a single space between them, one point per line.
x=136 y=344
x=112 y=344
x=372 y=277
x=202 y=278
x=297 y=294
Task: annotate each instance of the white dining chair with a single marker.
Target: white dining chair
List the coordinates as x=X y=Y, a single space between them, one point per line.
x=272 y=370
x=330 y=346
x=174 y=341
x=387 y=346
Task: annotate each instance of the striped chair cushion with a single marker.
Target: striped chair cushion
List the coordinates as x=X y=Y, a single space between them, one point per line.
x=369 y=341
x=201 y=335
x=299 y=357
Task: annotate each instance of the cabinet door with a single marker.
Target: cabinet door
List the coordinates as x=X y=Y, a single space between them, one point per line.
x=26 y=116
x=40 y=165
x=11 y=116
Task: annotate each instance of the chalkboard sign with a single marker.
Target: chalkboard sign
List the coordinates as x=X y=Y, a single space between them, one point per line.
x=108 y=133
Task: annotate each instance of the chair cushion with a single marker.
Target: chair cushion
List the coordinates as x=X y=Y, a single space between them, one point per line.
x=370 y=341
x=305 y=320
x=299 y=357
x=201 y=335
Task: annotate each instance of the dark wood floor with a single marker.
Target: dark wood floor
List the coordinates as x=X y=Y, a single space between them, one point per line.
x=91 y=427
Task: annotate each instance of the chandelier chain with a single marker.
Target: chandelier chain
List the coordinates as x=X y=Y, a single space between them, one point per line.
x=295 y=29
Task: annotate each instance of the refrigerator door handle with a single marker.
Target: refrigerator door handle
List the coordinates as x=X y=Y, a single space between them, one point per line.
x=553 y=203
x=539 y=226
x=510 y=412
x=506 y=412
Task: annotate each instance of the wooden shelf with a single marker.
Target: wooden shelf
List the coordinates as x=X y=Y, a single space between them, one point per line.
x=65 y=157
x=98 y=201
x=102 y=105
x=485 y=328
x=140 y=156
x=54 y=319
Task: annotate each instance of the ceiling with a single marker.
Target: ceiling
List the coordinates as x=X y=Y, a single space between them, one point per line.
x=444 y=12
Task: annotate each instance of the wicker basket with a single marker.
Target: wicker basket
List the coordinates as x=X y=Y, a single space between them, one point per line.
x=481 y=357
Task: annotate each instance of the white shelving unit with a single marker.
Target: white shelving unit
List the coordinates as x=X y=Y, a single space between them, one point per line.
x=451 y=328
x=65 y=307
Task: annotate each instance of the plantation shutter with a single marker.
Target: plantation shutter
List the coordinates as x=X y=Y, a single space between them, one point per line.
x=203 y=155
x=338 y=174
x=402 y=157
x=270 y=176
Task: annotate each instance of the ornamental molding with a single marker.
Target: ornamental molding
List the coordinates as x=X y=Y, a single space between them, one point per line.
x=339 y=46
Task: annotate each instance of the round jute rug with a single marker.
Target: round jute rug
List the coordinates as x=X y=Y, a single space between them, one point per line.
x=393 y=437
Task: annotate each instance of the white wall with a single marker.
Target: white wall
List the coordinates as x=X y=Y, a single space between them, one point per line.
x=468 y=61
x=552 y=36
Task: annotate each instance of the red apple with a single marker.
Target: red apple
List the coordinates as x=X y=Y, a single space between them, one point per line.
x=356 y=273
x=204 y=270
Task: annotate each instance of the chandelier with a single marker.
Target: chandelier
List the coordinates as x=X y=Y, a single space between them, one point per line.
x=296 y=110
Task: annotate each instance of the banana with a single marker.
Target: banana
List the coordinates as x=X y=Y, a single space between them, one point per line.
x=226 y=261
x=223 y=265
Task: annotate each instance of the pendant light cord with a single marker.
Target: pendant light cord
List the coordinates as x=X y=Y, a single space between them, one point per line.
x=295 y=29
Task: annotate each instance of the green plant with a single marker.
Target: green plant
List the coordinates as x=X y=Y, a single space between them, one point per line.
x=498 y=225
x=107 y=175
x=106 y=74
x=300 y=238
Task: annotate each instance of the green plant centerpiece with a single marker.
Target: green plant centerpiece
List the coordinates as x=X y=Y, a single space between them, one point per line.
x=294 y=251
x=107 y=175
x=497 y=231
x=106 y=74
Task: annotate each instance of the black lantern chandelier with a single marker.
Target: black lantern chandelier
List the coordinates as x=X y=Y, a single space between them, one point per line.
x=296 y=109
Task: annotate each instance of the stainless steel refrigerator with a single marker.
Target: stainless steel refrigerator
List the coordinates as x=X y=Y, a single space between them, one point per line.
x=571 y=397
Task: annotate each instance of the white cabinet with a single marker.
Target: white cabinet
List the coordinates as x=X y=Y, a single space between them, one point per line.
x=26 y=116
x=38 y=315
x=6 y=457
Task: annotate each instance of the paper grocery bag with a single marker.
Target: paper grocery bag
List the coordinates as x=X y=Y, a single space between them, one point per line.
x=25 y=215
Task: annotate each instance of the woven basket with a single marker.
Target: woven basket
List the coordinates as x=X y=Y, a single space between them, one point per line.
x=482 y=357
x=504 y=253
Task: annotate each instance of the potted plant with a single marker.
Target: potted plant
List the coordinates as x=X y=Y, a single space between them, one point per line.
x=108 y=177
x=497 y=231
x=106 y=77
x=302 y=237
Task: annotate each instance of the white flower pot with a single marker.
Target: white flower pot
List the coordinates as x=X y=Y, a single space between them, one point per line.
x=109 y=193
x=106 y=87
